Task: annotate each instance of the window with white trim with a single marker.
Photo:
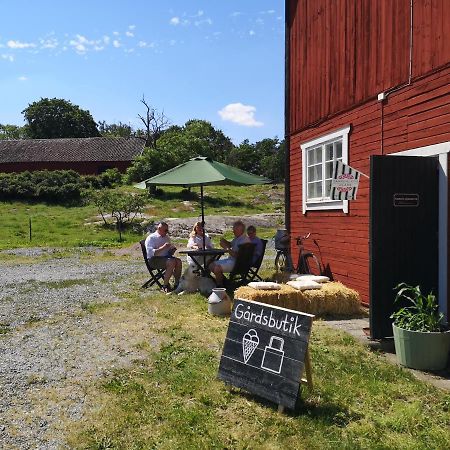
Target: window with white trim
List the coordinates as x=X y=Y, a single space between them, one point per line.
x=318 y=157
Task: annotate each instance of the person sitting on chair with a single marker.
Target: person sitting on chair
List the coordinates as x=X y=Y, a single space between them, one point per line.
x=226 y=265
x=195 y=241
x=251 y=233
x=160 y=254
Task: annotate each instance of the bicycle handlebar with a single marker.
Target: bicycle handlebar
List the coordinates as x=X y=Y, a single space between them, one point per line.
x=299 y=239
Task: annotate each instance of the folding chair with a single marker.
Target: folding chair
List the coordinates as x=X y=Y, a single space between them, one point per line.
x=155 y=274
x=253 y=271
x=239 y=275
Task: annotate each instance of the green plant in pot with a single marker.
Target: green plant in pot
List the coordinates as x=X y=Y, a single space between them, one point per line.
x=421 y=339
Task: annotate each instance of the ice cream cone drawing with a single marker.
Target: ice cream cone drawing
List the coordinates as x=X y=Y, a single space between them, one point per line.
x=249 y=343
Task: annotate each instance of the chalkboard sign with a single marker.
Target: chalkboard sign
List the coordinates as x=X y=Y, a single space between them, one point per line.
x=264 y=351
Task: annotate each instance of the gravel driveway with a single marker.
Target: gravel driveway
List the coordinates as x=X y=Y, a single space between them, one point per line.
x=51 y=347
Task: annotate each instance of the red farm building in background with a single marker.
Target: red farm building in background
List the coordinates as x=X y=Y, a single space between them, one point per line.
x=87 y=156
x=363 y=78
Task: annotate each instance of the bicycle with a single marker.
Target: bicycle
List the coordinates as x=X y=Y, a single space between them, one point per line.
x=283 y=259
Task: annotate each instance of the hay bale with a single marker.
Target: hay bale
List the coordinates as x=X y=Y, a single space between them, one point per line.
x=333 y=299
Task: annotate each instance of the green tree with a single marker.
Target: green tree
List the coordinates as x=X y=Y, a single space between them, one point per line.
x=8 y=132
x=177 y=144
x=245 y=157
x=115 y=129
x=273 y=163
x=120 y=207
x=58 y=118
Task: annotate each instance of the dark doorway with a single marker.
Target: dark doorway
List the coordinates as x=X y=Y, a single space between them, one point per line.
x=404 y=221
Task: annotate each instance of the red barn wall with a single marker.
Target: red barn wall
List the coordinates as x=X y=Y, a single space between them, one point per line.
x=417 y=115
x=344 y=52
x=84 y=168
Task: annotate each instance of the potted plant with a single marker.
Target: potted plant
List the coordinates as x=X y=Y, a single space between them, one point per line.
x=421 y=339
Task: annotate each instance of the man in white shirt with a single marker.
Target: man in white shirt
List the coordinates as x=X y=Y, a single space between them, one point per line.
x=226 y=265
x=160 y=254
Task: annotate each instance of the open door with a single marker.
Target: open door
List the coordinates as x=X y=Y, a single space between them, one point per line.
x=404 y=196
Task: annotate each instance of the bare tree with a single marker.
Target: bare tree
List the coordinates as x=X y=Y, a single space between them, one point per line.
x=155 y=123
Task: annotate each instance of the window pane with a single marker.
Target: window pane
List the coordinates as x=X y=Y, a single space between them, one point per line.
x=314 y=156
x=329 y=152
x=311 y=157
x=315 y=173
x=315 y=190
x=327 y=188
x=338 y=147
x=328 y=169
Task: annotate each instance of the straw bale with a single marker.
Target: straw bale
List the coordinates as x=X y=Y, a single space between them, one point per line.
x=333 y=299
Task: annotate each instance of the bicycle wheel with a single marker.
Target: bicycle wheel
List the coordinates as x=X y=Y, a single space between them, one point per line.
x=280 y=262
x=305 y=266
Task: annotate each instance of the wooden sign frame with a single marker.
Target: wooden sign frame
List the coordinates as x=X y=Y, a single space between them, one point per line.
x=266 y=351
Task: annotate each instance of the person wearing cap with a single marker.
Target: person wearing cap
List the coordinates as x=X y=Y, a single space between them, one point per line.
x=160 y=254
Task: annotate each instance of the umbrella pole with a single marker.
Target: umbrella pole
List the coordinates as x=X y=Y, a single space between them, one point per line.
x=203 y=224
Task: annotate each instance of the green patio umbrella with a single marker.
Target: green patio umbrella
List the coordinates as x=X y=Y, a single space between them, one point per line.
x=202 y=171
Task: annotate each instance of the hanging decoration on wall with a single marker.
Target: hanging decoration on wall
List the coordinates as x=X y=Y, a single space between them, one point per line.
x=345 y=182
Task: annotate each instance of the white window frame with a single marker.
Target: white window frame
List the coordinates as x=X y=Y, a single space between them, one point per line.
x=324 y=204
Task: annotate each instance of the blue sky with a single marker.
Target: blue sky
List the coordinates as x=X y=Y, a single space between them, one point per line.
x=222 y=61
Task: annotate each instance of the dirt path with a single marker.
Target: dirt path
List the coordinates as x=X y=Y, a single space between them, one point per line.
x=52 y=347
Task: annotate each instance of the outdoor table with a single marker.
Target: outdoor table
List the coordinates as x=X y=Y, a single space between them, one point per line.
x=207 y=255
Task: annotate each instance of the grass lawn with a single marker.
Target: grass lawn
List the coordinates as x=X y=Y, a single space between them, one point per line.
x=172 y=399
x=60 y=226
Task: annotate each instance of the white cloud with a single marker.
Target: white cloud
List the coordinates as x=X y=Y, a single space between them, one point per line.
x=236 y=14
x=18 y=44
x=251 y=32
x=22 y=78
x=7 y=57
x=131 y=27
x=144 y=44
x=207 y=21
x=115 y=33
x=240 y=114
x=129 y=34
x=79 y=44
x=106 y=39
x=49 y=43
x=175 y=21
x=116 y=43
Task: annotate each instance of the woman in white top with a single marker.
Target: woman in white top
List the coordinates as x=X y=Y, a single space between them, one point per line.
x=195 y=241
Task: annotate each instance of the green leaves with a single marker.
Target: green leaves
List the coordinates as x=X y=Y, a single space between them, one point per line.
x=118 y=206
x=58 y=118
x=422 y=314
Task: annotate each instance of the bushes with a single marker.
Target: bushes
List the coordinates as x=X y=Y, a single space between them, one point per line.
x=57 y=186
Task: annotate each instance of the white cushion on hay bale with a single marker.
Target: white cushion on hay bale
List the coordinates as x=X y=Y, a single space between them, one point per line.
x=316 y=278
x=264 y=285
x=303 y=285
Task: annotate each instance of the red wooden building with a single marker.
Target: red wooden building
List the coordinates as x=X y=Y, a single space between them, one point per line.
x=363 y=77
x=88 y=156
